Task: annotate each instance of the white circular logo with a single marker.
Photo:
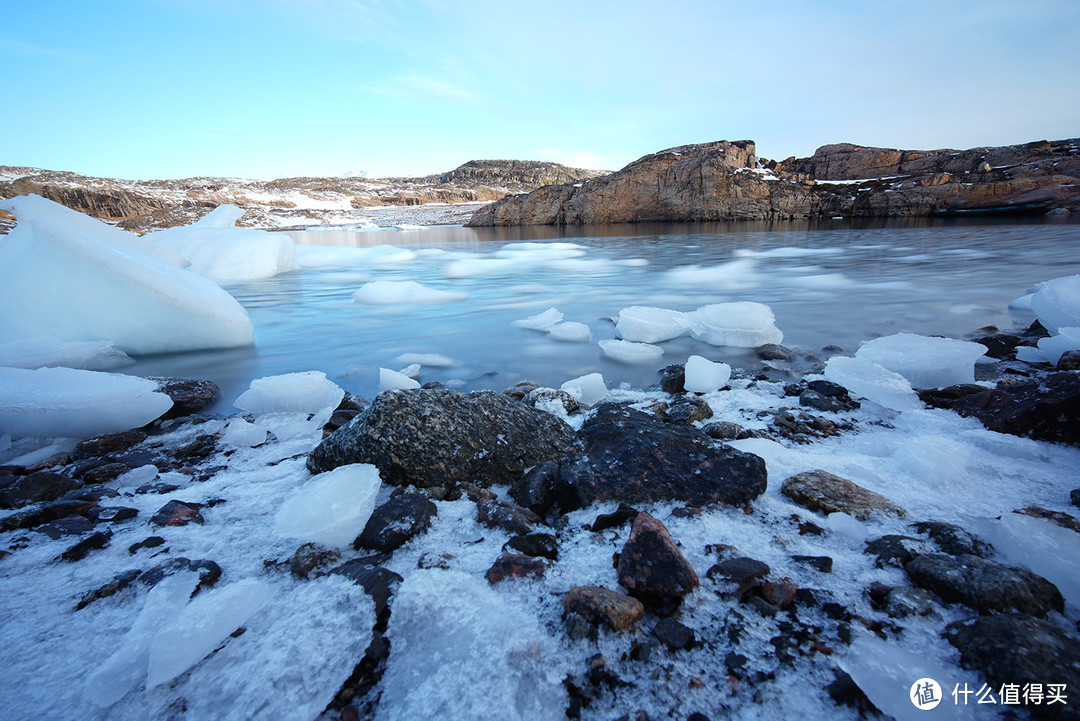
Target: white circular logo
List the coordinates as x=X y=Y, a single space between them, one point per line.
x=925 y=694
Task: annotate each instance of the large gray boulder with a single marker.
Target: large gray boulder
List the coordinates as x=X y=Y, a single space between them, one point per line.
x=439 y=438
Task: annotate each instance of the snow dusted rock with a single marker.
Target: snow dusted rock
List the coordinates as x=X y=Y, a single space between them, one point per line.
x=542 y=322
x=621 y=454
x=308 y=392
x=924 y=361
x=75 y=403
x=651 y=325
x=984 y=585
x=515 y=565
x=871 y=381
x=686 y=411
x=36 y=487
x=396 y=521
x=438 y=438
x=536 y=489
x=331 y=509
x=449 y=629
x=651 y=566
x=741 y=324
x=510 y=517
x=624 y=351
x=822 y=491
x=143 y=302
x=1047 y=409
x=599 y=606
x=705 y=376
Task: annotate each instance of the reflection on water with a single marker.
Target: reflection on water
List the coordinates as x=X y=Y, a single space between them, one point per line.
x=830 y=283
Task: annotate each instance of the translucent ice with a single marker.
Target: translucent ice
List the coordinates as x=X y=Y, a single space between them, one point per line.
x=391 y=380
x=1057 y=303
x=740 y=324
x=204 y=623
x=625 y=351
x=926 y=362
x=705 y=376
x=307 y=392
x=1066 y=340
x=443 y=644
x=331 y=508
x=651 y=325
x=391 y=292
x=587 y=390
x=1031 y=354
x=76 y=279
x=41 y=352
x=75 y=403
x=240 y=433
x=541 y=321
x=869 y=380
x=571 y=332
x=430 y=360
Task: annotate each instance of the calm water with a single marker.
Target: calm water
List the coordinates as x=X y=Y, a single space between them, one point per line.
x=833 y=284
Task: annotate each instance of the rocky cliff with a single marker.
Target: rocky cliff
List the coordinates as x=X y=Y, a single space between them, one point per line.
x=726 y=181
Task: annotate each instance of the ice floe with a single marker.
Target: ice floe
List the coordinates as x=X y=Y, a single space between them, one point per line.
x=651 y=325
x=331 y=508
x=926 y=362
x=625 y=351
x=392 y=292
x=739 y=324
x=306 y=392
x=867 y=379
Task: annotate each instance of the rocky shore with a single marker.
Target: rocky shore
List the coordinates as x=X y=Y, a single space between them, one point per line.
x=661 y=554
x=725 y=181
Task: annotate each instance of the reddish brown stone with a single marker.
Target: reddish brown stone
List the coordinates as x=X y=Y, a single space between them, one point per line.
x=780 y=593
x=650 y=565
x=177 y=513
x=515 y=565
x=600 y=606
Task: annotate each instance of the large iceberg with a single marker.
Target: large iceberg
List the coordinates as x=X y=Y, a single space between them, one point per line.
x=227 y=254
x=67 y=276
x=70 y=403
x=925 y=361
x=740 y=324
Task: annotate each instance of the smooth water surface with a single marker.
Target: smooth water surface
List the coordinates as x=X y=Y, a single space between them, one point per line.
x=833 y=285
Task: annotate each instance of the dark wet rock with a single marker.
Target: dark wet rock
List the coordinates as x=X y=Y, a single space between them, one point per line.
x=93 y=542
x=822 y=491
x=893 y=550
x=845 y=692
x=536 y=489
x=1074 y=496
x=821 y=563
x=151 y=542
x=510 y=517
x=755 y=433
x=209 y=572
x=112 y=514
x=542 y=545
x=46 y=513
x=188 y=395
x=515 y=565
x=1017 y=649
x=686 y=411
x=351 y=402
x=651 y=566
x=984 y=585
x=674 y=635
x=775 y=352
x=156 y=489
x=441 y=438
x=67 y=526
x=946 y=397
x=599 y=606
x=828 y=388
x=177 y=513
x=108 y=445
x=621 y=454
x=105 y=473
x=673 y=379
x=745 y=573
x=953 y=539
x=644 y=650
x=1000 y=346
x=92 y=494
x=396 y=521
x=904 y=601
x=378 y=582
x=338 y=419
x=552 y=397
x=311 y=557
x=520 y=389
x=35 y=488
x=830 y=404
x=722 y=430
x=1069 y=361
x=760 y=605
x=780 y=593
x=1060 y=518
x=117 y=584
x=623 y=514
x=471 y=491
x=1046 y=409
x=196 y=451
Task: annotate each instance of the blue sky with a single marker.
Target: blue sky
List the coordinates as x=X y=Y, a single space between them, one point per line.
x=274 y=88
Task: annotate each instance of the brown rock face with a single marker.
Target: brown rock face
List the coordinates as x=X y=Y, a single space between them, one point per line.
x=651 y=566
x=822 y=491
x=599 y=606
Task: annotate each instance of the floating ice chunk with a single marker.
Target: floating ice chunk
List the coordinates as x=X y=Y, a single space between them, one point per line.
x=705 y=376
x=1021 y=303
x=74 y=279
x=536 y=252
x=579 y=265
x=926 y=362
x=587 y=390
x=387 y=254
x=307 y=392
x=226 y=254
x=126 y=668
x=408 y=226
x=41 y=352
x=1030 y=354
x=411 y=371
x=469 y=267
x=242 y=434
x=336 y=256
x=332 y=508
x=788 y=252
x=741 y=324
x=651 y=325
x=442 y=645
x=75 y=403
x=541 y=321
x=1056 y=303
x=733 y=274
x=203 y=624
x=392 y=292
x=1066 y=340
x=625 y=351
x=868 y=380
x=571 y=332
x=429 y=360
x=391 y=380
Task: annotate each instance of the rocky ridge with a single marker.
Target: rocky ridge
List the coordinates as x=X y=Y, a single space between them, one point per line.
x=726 y=180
